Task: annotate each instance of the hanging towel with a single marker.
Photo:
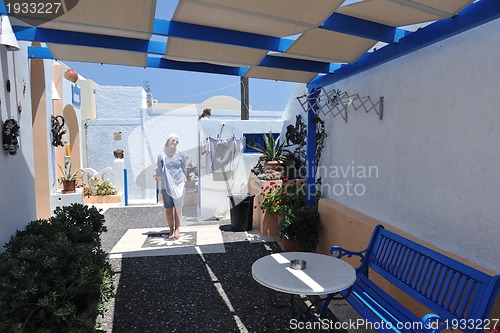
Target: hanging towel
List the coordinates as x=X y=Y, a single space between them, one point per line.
x=221 y=154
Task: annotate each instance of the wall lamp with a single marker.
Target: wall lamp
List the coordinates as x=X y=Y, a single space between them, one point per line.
x=7 y=37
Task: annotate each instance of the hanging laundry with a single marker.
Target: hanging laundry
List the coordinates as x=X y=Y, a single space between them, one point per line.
x=221 y=154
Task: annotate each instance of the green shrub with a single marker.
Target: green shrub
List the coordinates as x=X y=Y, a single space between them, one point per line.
x=301 y=223
x=54 y=275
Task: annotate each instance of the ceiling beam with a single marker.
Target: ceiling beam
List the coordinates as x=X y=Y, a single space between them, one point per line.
x=38 y=52
x=218 y=35
x=472 y=16
x=362 y=28
x=87 y=39
x=298 y=64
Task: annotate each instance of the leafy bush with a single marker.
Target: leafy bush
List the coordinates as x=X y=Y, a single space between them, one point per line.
x=54 y=275
x=302 y=224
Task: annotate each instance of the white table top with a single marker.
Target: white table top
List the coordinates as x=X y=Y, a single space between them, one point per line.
x=323 y=274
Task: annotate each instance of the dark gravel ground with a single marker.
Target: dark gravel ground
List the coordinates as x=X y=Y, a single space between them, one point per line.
x=194 y=293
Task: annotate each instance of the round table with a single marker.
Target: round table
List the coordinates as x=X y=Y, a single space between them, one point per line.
x=322 y=275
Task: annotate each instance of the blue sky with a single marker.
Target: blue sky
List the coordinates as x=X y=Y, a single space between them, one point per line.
x=172 y=86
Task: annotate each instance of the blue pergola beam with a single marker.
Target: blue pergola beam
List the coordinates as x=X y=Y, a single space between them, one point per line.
x=298 y=64
x=38 y=52
x=362 y=28
x=218 y=35
x=472 y=16
x=153 y=62
x=87 y=39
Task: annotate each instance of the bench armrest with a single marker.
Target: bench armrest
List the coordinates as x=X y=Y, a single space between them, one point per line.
x=432 y=321
x=340 y=252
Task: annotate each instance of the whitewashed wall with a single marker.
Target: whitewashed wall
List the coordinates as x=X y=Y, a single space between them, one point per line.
x=17 y=189
x=435 y=156
x=120 y=110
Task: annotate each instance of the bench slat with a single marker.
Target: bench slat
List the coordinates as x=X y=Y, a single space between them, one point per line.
x=381 y=305
x=470 y=287
x=433 y=289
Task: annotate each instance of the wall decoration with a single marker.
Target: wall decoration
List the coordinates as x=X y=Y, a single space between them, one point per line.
x=10 y=134
x=57 y=130
x=71 y=75
x=19 y=107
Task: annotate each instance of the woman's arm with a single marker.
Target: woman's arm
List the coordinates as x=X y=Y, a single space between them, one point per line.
x=159 y=167
x=183 y=163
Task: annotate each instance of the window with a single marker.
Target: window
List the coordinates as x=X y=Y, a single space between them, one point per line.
x=254 y=138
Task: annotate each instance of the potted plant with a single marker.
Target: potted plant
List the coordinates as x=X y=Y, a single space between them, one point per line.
x=68 y=178
x=298 y=223
x=300 y=227
x=99 y=187
x=272 y=150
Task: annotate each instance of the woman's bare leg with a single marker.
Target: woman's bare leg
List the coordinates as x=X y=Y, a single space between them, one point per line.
x=170 y=220
x=177 y=219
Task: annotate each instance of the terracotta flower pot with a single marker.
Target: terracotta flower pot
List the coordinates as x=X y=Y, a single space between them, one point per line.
x=69 y=186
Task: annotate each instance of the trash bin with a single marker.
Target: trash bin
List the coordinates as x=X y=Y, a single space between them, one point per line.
x=241 y=211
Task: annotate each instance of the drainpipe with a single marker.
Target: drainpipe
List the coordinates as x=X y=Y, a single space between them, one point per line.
x=311 y=146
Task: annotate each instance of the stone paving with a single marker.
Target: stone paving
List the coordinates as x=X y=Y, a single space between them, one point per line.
x=201 y=282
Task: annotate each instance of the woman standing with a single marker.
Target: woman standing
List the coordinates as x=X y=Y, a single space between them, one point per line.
x=171 y=171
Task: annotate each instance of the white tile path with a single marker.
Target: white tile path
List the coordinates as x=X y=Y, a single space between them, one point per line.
x=208 y=240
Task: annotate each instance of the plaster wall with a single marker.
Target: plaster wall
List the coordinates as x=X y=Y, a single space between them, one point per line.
x=118 y=114
x=435 y=153
x=17 y=187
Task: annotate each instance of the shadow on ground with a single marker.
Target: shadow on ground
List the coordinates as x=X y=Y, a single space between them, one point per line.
x=198 y=292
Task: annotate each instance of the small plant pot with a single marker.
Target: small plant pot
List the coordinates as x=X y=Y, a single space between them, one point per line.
x=69 y=186
x=292 y=245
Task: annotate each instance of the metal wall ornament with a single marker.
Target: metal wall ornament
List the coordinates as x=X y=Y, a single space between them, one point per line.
x=57 y=130
x=337 y=102
x=10 y=134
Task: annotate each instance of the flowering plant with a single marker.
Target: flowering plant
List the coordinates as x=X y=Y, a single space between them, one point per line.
x=98 y=186
x=276 y=197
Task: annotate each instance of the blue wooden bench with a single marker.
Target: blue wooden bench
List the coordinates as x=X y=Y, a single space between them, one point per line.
x=459 y=296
